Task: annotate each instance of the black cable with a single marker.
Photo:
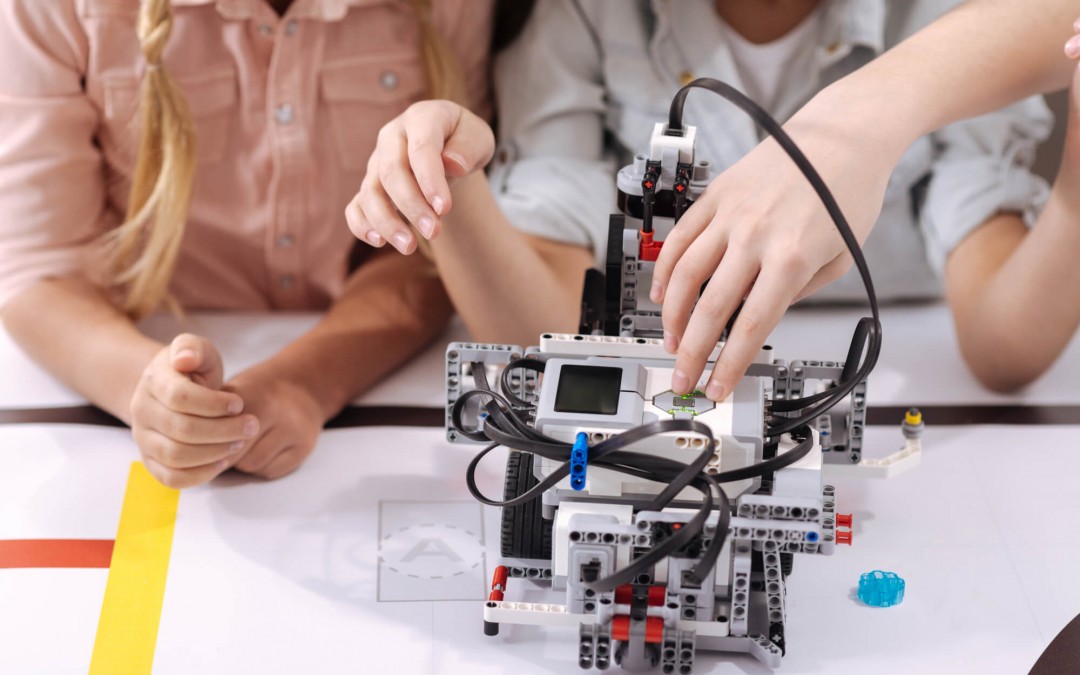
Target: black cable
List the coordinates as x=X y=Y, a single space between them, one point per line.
x=503 y=426
x=535 y=365
x=871 y=333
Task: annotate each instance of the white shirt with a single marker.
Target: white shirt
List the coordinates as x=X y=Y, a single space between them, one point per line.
x=767 y=69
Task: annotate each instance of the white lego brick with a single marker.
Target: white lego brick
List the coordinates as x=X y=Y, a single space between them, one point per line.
x=560 y=553
x=803 y=478
x=768 y=506
x=608 y=345
x=706 y=628
x=887 y=467
x=733 y=455
x=534 y=614
x=781 y=531
x=683 y=144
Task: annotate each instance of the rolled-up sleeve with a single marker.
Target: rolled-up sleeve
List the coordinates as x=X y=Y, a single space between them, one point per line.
x=52 y=191
x=551 y=173
x=983 y=168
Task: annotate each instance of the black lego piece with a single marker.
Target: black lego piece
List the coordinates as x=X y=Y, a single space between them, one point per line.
x=613 y=274
x=525 y=532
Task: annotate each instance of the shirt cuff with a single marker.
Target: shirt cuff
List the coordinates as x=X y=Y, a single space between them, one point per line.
x=562 y=199
x=965 y=193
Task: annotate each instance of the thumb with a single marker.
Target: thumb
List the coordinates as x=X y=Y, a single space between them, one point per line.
x=196 y=356
x=470 y=146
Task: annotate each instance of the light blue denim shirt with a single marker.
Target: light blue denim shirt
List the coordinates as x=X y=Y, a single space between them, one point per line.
x=579 y=91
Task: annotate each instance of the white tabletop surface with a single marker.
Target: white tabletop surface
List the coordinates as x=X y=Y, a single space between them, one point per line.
x=285 y=576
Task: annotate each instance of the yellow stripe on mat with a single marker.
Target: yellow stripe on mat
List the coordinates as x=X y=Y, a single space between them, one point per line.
x=127 y=630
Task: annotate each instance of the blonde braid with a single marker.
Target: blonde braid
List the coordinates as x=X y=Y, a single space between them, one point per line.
x=147 y=244
x=445 y=80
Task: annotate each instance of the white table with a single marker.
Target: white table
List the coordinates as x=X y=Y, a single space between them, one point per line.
x=285 y=577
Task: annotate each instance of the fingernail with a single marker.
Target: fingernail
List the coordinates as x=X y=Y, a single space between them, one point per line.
x=458 y=159
x=1072 y=48
x=437 y=204
x=671 y=342
x=401 y=241
x=374 y=238
x=236 y=407
x=221 y=466
x=680 y=383
x=427 y=226
x=185 y=353
x=716 y=391
x=1076 y=24
x=656 y=293
x=251 y=427
x=235 y=446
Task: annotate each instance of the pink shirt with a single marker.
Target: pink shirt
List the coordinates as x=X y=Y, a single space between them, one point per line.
x=286 y=108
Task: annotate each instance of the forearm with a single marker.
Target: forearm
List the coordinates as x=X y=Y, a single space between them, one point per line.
x=507 y=286
x=980 y=57
x=71 y=329
x=392 y=307
x=1015 y=295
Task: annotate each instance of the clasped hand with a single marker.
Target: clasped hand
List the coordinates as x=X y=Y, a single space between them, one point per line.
x=191 y=425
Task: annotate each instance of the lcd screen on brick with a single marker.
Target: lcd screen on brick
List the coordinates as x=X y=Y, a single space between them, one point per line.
x=591 y=390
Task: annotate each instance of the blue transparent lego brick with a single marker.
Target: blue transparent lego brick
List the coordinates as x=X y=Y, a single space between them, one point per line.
x=881 y=589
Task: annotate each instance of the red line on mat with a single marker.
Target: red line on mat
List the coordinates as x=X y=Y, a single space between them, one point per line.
x=43 y=553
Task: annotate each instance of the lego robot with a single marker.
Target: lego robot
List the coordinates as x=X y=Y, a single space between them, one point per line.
x=663 y=524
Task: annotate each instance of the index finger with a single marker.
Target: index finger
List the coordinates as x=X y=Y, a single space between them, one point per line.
x=769 y=298
x=178 y=393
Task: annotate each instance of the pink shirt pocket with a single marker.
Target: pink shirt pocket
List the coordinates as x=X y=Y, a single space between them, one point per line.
x=210 y=96
x=364 y=93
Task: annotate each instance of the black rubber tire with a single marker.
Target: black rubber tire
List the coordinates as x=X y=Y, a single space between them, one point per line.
x=525 y=532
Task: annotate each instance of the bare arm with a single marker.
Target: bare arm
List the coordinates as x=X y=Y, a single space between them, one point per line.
x=392 y=308
x=70 y=329
x=982 y=56
x=1015 y=294
x=525 y=285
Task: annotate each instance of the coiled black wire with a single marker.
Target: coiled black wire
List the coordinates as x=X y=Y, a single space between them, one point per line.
x=504 y=426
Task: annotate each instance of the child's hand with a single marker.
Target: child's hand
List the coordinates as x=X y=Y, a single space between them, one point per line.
x=291 y=422
x=407 y=184
x=187 y=429
x=760 y=232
